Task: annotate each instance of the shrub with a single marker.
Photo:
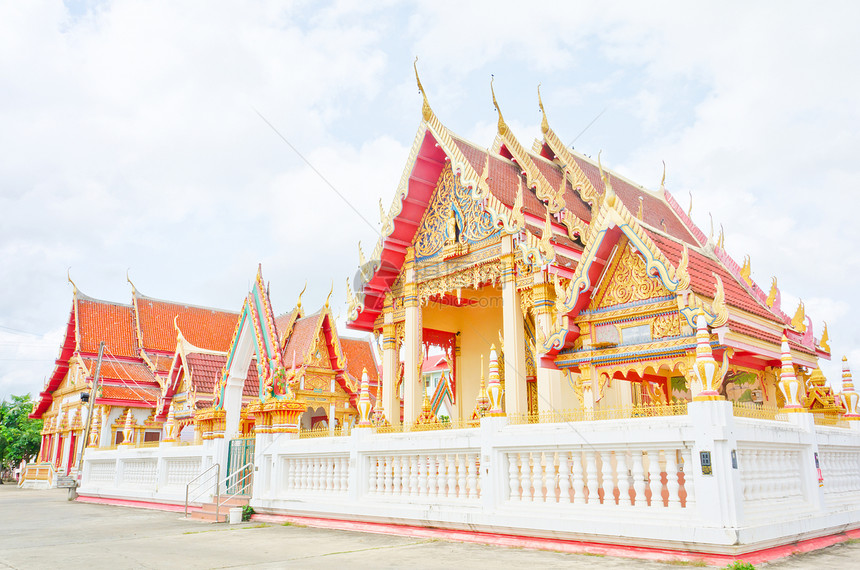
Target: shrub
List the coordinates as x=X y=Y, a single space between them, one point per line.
x=247 y=511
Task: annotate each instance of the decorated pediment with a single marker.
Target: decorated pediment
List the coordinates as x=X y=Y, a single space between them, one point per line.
x=627 y=281
x=319 y=355
x=452 y=216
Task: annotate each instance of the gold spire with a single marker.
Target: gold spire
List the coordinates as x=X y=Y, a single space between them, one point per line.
x=503 y=127
x=544 y=124
x=426 y=111
x=381 y=212
x=639 y=211
x=663 y=180
x=690 y=209
x=721 y=243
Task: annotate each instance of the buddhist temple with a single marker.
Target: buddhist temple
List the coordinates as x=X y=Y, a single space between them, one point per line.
x=611 y=374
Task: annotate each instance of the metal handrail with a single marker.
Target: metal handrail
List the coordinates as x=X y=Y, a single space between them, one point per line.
x=218 y=501
x=217 y=468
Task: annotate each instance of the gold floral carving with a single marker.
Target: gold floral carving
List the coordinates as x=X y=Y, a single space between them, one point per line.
x=471 y=277
x=630 y=282
x=474 y=223
x=666 y=325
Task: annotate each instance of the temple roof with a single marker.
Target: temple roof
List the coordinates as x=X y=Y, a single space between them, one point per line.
x=205 y=369
x=98 y=321
x=359 y=356
x=208 y=328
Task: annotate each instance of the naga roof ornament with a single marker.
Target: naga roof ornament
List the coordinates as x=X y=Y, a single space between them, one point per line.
x=798 y=322
x=608 y=193
x=69 y=277
x=772 y=296
x=824 y=343
x=746 y=271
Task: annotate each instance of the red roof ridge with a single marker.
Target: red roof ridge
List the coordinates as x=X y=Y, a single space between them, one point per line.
x=614 y=174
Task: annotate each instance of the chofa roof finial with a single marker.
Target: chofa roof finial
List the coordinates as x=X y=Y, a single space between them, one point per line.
x=127 y=278
x=544 y=124
x=503 y=127
x=69 y=276
x=426 y=111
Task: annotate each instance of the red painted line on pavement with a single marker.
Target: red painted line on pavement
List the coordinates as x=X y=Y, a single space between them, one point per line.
x=137 y=504
x=561 y=545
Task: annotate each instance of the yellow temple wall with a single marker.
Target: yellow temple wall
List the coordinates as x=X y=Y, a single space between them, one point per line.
x=479 y=327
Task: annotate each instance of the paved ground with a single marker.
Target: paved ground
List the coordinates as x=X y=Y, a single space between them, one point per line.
x=41 y=529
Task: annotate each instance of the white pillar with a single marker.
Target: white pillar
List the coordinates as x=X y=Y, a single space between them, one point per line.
x=516 y=394
x=412 y=394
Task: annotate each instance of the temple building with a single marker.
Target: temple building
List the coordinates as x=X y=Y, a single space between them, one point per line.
x=139 y=347
x=588 y=284
x=607 y=372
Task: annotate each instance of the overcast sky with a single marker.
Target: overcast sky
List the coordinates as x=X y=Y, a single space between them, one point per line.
x=131 y=138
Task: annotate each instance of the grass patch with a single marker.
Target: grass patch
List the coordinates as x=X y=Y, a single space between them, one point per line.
x=740 y=565
x=297 y=525
x=258 y=525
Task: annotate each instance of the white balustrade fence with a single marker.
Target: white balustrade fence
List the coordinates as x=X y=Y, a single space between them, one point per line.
x=709 y=479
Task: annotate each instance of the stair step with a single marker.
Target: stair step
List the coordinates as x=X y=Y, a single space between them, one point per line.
x=209 y=516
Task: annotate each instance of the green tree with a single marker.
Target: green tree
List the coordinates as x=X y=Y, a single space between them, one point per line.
x=20 y=436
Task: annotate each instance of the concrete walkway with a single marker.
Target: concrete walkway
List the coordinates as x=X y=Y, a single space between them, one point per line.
x=41 y=529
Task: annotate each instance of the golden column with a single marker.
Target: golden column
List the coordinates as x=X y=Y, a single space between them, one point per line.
x=516 y=395
x=412 y=385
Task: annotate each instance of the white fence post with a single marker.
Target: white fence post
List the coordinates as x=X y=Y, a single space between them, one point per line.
x=719 y=495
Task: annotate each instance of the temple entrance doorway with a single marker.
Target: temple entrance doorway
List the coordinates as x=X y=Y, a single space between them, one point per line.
x=314 y=418
x=240 y=466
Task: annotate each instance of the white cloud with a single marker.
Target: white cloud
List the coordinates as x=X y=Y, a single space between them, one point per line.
x=136 y=142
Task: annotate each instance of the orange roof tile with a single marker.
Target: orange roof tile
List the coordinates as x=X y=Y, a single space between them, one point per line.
x=136 y=394
x=127 y=371
x=211 y=329
x=359 y=355
x=102 y=321
x=206 y=368
x=702 y=268
x=302 y=339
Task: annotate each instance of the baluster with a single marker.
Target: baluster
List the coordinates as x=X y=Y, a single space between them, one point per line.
x=413 y=477
x=432 y=489
x=472 y=476
x=462 y=492
x=300 y=476
x=371 y=475
x=607 y=479
x=537 y=477
x=395 y=475
x=525 y=477
x=478 y=484
x=638 y=479
x=576 y=466
x=652 y=471
x=564 y=477
x=590 y=478
x=335 y=474
x=291 y=474
x=380 y=474
x=624 y=497
x=451 y=465
x=312 y=479
x=440 y=479
x=389 y=475
x=422 y=475
x=686 y=457
x=405 y=478
x=344 y=474
x=672 y=485
x=329 y=473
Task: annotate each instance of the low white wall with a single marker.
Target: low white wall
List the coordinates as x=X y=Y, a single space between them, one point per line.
x=153 y=474
x=631 y=481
